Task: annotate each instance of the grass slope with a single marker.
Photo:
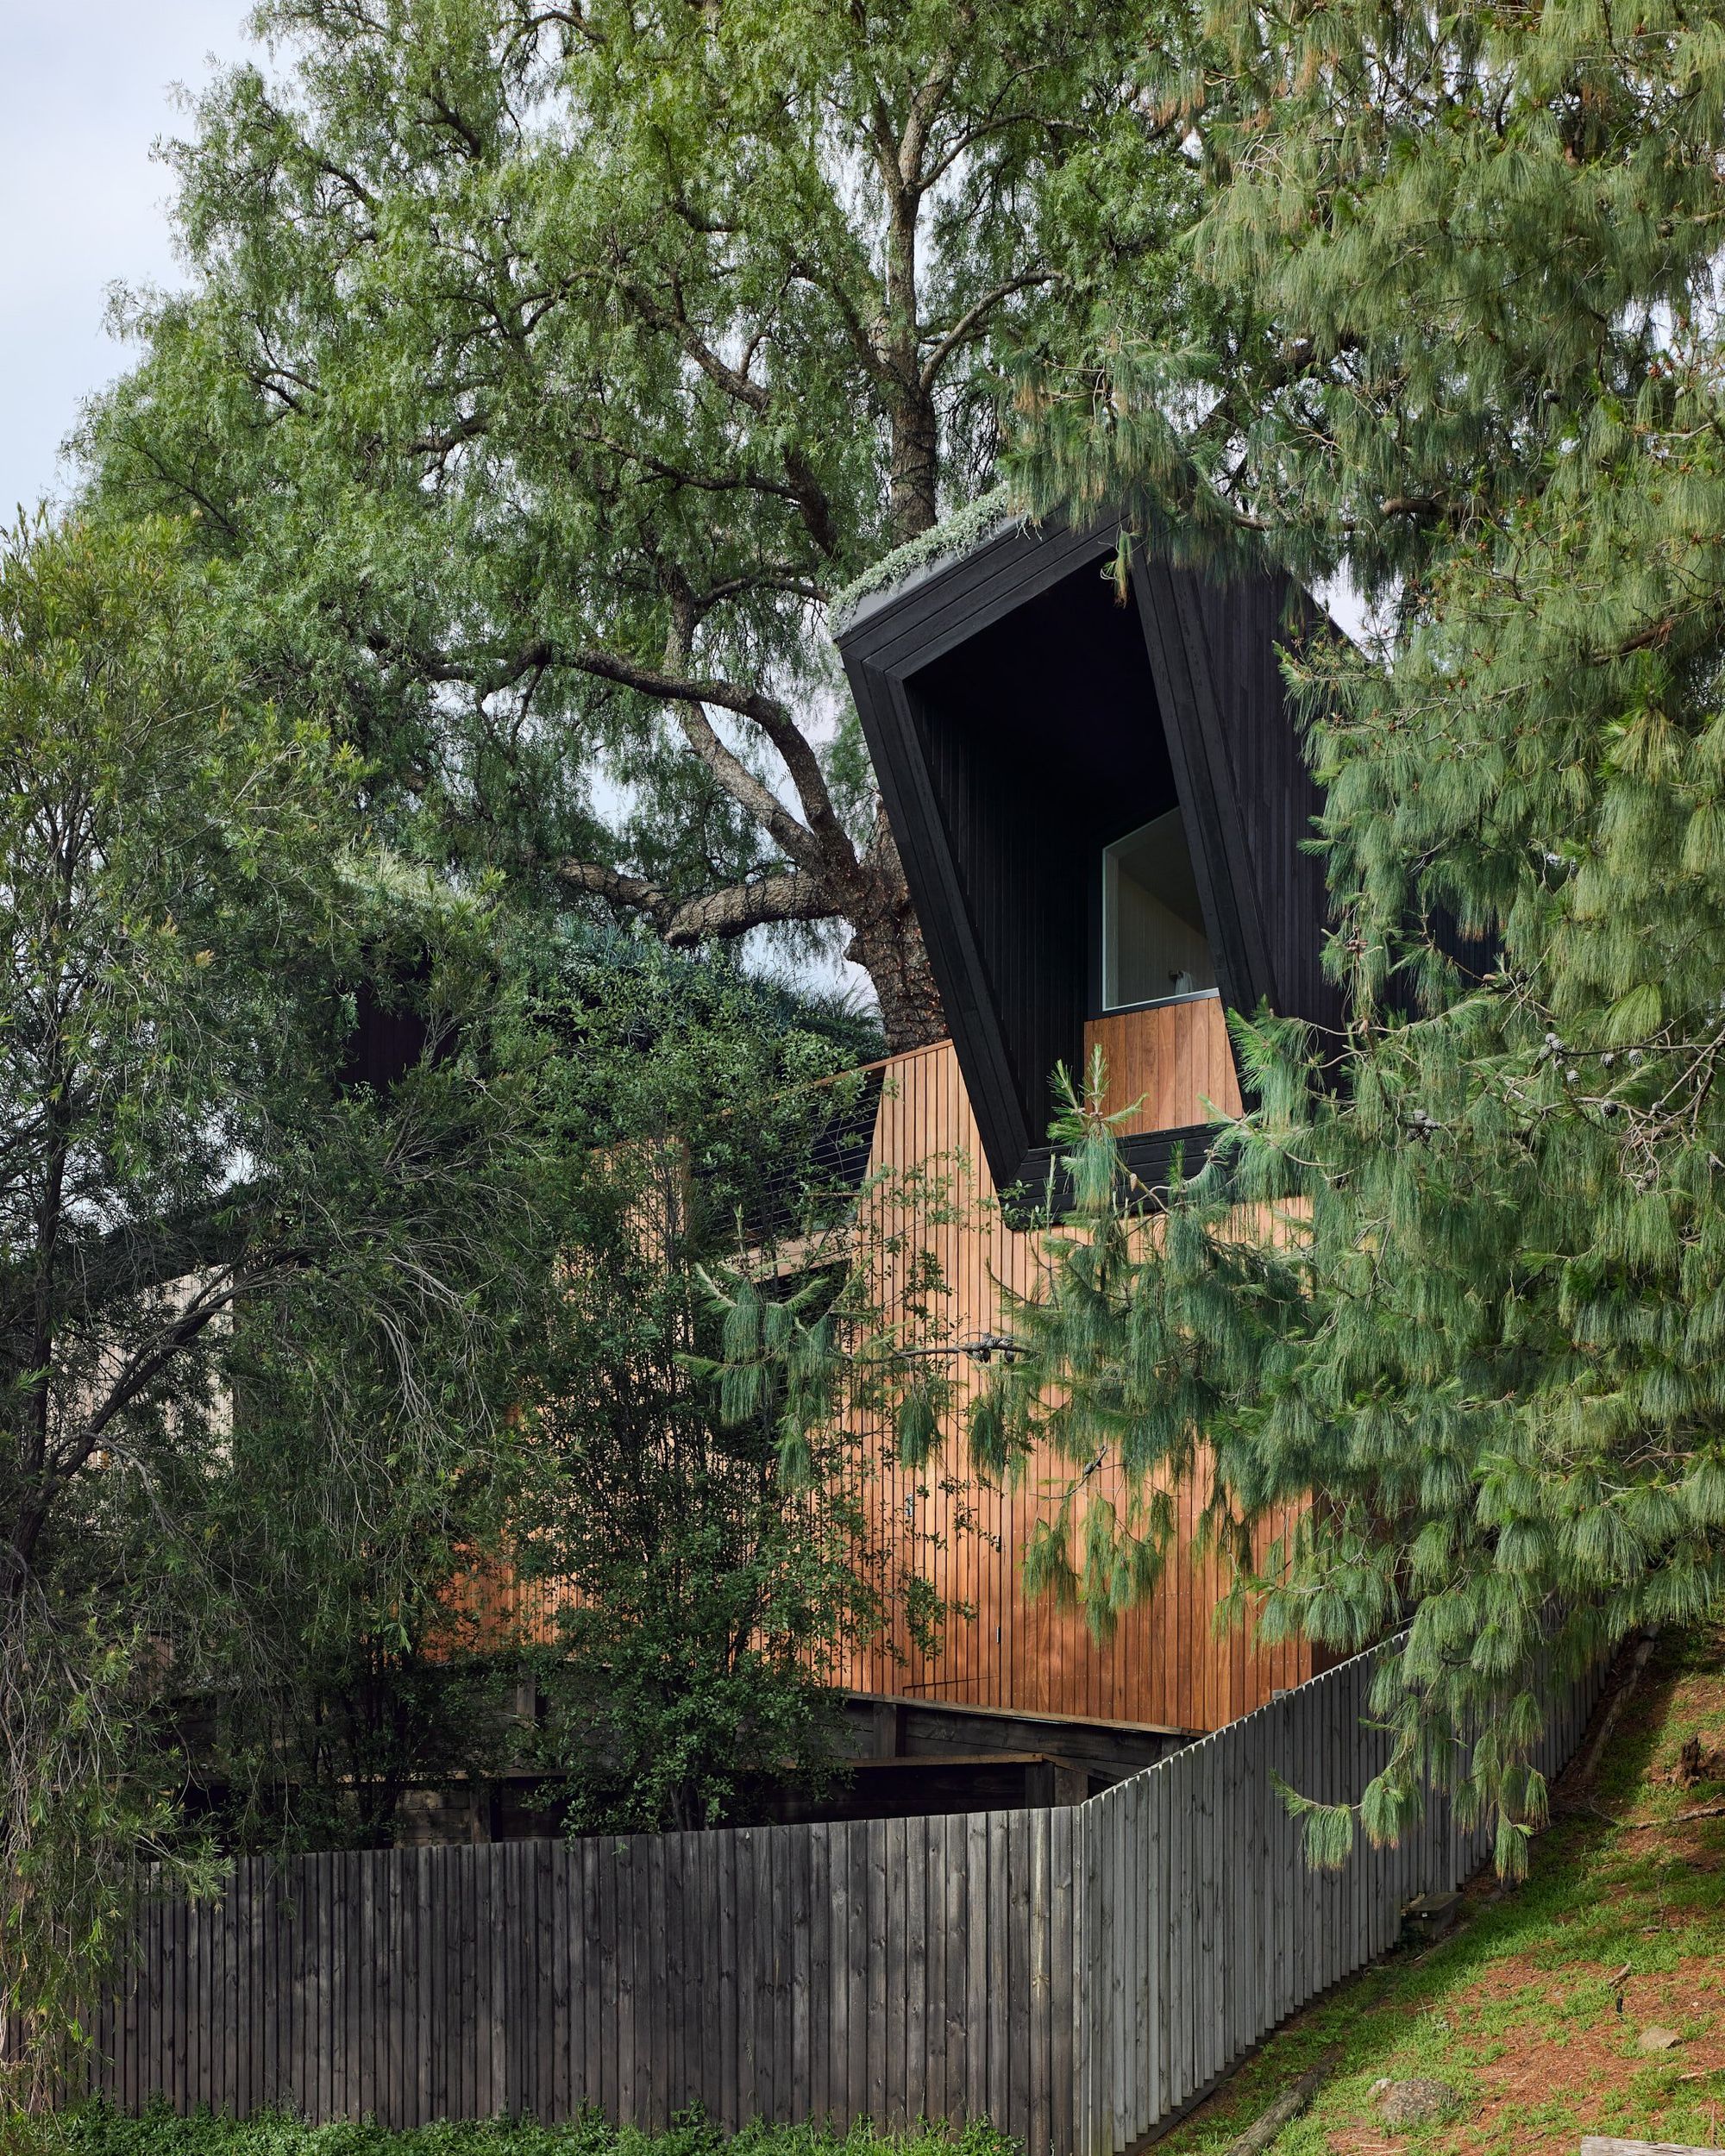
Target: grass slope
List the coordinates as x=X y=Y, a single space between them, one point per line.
x=1517 y=2008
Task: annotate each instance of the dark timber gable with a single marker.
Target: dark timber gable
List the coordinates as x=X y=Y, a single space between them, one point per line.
x=1021 y=719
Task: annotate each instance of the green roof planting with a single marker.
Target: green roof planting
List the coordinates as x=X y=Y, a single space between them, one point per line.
x=948 y=541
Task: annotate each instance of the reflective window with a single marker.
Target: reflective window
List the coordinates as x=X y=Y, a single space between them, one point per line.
x=1153 y=942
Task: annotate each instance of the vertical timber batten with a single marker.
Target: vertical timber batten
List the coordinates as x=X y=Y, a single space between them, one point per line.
x=1105 y=1963
x=1164 y=1665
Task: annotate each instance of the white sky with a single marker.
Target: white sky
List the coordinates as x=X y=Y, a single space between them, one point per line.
x=85 y=88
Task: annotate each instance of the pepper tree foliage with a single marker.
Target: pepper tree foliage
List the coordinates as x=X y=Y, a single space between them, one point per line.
x=674 y=1090
x=699 y=1601
x=545 y=368
x=1461 y=1273
x=200 y=1202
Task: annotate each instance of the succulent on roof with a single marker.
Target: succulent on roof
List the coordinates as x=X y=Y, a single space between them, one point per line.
x=958 y=534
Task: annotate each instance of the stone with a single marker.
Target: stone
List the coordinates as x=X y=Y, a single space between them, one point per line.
x=1657 y=2039
x=1416 y=2102
x=1608 y=2145
x=1428 y=1917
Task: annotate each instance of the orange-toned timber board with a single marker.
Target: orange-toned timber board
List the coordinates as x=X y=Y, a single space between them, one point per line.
x=1164 y=1664
x=1165 y=1064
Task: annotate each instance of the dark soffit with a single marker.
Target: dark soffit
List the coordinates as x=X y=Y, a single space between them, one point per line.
x=891 y=638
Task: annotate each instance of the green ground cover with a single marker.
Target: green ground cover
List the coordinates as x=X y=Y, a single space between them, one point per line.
x=94 y=2130
x=1518 y=2010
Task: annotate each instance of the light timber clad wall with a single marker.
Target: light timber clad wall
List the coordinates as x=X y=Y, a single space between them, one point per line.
x=1166 y=1063
x=1075 y=1975
x=1165 y=1663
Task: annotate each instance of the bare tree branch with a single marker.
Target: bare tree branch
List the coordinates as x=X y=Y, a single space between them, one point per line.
x=811 y=502
x=715 y=916
x=732 y=912
x=800 y=840
x=971 y=321
x=674 y=319
x=635 y=893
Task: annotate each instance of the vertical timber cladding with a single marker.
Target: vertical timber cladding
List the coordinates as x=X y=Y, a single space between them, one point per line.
x=1165 y=1663
x=1170 y=1066
x=1076 y=1976
x=880 y=1969
x=1019 y=718
x=1023 y=714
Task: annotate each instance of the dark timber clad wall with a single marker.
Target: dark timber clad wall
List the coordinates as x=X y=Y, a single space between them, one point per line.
x=1244 y=623
x=890 y=642
x=1041 y=742
x=1019 y=720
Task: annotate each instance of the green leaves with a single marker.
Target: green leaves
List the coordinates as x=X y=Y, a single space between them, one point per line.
x=689 y=1516
x=267 y=1225
x=919 y=1422
x=1329 y=1827
x=529 y=373
x=1462 y=341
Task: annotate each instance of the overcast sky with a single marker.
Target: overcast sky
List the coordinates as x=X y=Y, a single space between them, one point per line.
x=87 y=89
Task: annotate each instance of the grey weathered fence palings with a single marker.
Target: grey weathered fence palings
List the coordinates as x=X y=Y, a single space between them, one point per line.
x=1076 y=1976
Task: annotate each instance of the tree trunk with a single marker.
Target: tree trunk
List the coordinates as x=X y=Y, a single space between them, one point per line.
x=915 y=465
x=887 y=939
x=890 y=950
x=887 y=943
x=912 y=423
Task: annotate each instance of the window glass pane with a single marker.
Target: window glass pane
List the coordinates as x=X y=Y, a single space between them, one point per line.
x=1153 y=939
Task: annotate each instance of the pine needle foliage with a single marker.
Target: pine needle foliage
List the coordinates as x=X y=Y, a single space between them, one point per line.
x=1461 y=1273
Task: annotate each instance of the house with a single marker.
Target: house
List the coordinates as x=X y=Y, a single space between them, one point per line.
x=1102 y=809
x=1101 y=806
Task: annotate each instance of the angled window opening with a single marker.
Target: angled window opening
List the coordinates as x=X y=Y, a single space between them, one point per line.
x=1154 y=947
x=1049 y=756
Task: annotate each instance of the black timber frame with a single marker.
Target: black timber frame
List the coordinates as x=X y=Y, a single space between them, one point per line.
x=1248 y=797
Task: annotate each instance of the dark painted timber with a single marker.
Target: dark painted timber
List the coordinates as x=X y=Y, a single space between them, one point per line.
x=1075 y=1974
x=1020 y=717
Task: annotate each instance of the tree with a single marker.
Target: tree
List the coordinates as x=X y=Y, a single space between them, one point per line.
x=548 y=370
x=344 y=1561
x=702 y=1598
x=1461 y=1273
x=194 y=1189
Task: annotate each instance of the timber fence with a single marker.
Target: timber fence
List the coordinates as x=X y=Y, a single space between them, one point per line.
x=1077 y=1975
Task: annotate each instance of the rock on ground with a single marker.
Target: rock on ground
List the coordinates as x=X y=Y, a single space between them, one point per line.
x=1416 y=2102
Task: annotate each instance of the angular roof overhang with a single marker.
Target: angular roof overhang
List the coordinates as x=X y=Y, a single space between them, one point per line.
x=1214 y=699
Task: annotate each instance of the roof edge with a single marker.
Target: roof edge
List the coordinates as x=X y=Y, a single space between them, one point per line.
x=963 y=533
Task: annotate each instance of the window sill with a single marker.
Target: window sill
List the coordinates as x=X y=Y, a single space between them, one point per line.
x=1155 y=1003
